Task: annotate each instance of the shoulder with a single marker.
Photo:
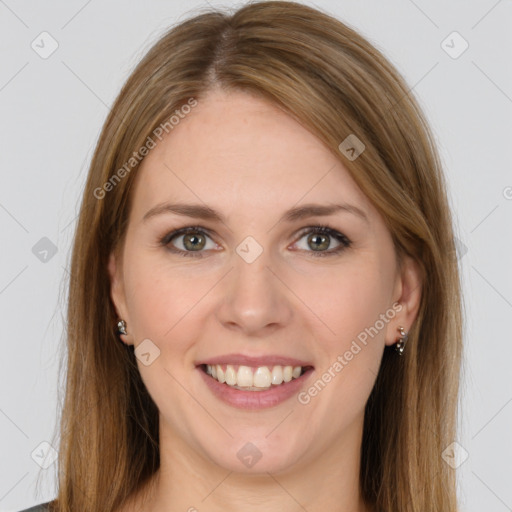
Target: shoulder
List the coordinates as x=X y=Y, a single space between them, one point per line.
x=43 y=507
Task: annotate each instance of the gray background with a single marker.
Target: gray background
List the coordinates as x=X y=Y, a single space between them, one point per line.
x=52 y=110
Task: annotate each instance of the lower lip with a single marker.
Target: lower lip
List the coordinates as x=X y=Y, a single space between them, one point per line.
x=255 y=399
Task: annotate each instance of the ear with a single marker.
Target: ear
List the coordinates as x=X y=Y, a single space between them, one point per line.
x=407 y=292
x=117 y=293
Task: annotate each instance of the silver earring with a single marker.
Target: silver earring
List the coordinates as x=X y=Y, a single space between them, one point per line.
x=400 y=344
x=121 y=327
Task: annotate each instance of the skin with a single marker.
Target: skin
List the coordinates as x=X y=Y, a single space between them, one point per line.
x=247 y=159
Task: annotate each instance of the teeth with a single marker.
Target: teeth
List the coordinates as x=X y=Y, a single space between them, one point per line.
x=244 y=377
x=248 y=378
x=262 y=377
x=277 y=375
x=230 y=375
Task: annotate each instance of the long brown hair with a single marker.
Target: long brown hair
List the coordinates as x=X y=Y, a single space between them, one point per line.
x=336 y=84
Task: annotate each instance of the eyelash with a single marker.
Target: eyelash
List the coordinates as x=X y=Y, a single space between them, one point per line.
x=318 y=229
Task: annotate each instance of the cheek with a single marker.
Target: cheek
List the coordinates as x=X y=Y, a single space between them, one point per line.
x=353 y=308
x=359 y=312
x=156 y=299
x=165 y=305
x=161 y=304
x=348 y=302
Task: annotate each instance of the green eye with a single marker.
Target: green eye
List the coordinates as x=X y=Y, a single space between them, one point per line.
x=194 y=240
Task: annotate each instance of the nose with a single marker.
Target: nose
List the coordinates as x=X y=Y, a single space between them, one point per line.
x=256 y=300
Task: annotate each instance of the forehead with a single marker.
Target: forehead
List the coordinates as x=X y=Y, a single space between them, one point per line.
x=235 y=150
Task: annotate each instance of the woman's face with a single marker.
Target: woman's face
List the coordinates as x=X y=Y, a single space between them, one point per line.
x=259 y=290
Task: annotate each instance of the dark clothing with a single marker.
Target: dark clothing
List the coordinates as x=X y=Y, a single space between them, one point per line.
x=43 y=507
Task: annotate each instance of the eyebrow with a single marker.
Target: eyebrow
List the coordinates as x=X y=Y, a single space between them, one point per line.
x=204 y=212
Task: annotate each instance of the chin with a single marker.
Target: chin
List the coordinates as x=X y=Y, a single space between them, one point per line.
x=256 y=454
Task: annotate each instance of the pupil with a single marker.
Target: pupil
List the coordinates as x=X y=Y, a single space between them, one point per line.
x=190 y=242
x=314 y=238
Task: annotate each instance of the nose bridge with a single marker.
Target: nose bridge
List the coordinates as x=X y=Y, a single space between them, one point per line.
x=250 y=250
x=251 y=273
x=254 y=297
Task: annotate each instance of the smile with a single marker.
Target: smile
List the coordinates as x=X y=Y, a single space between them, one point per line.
x=254 y=387
x=249 y=378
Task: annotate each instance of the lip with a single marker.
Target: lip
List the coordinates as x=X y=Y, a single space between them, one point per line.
x=254 y=361
x=252 y=400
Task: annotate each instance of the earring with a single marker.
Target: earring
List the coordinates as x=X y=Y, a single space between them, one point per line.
x=400 y=344
x=121 y=327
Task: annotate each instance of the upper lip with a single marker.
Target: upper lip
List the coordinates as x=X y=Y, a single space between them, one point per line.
x=241 y=359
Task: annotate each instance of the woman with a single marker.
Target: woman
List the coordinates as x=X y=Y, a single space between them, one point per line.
x=264 y=303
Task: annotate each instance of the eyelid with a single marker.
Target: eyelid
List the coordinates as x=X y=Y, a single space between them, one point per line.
x=183 y=231
x=321 y=228
x=324 y=228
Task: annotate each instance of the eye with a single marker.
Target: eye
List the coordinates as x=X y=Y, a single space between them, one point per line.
x=194 y=240
x=320 y=237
